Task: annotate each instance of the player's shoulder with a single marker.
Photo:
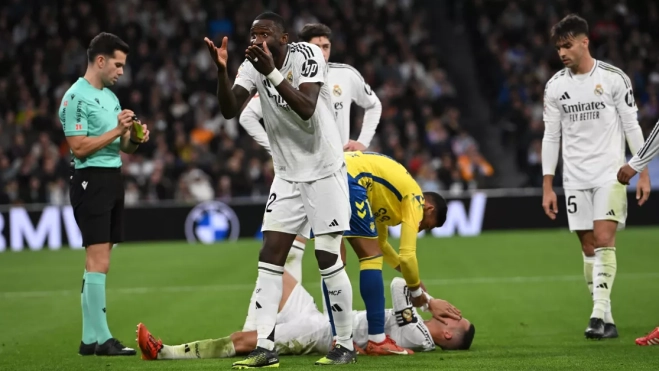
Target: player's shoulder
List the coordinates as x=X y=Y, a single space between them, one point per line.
x=304 y=50
x=558 y=77
x=77 y=94
x=613 y=73
x=343 y=69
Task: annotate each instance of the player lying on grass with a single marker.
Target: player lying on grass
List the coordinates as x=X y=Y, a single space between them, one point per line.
x=302 y=329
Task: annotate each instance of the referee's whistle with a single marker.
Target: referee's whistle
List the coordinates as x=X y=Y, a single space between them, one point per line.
x=139 y=132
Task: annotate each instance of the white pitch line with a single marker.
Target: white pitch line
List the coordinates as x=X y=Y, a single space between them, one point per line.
x=249 y=287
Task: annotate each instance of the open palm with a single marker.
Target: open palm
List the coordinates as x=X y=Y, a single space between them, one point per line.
x=219 y=55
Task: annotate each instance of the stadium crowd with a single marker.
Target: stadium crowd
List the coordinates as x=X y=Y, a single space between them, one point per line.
x=194 y=153
x=622 y=33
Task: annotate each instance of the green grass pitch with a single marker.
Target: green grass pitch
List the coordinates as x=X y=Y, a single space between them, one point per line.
x=524 y=291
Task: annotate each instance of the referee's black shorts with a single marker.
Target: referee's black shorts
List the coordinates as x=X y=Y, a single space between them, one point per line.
x=97 y=198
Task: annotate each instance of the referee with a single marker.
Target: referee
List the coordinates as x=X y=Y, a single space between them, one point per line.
x=96 y=129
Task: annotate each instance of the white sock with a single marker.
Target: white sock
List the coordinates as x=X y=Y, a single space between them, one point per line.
x=204 y=349
x=377 y=338
x=588 y=262
x=340 y=297
x=294 y=260
x=269 y=287
x=608 y=315
x=604 y=273
x=250 y=321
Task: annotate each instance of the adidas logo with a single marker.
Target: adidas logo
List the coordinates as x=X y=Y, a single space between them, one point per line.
x=565 y=96
x=611 y=213
x=334 y=223
x=603 y=286
x=336 y=308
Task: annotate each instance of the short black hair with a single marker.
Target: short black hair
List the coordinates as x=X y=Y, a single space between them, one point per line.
x=276 y=18
x=441 y=208
x=311 y=30
x=105 y=43
x=468 y=338
x=570 y=26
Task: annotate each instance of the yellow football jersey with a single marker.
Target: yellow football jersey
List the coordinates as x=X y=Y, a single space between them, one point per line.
x=395 y=198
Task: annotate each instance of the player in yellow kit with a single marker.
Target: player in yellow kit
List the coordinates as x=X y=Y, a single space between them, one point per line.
x=382 y=194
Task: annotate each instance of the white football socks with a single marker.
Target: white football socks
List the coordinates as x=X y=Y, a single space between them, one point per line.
x=604 y=273
x=588 y=262
x=269 y=287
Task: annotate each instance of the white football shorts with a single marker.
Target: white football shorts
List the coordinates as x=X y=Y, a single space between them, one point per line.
x=584 y=206
x=323 y=204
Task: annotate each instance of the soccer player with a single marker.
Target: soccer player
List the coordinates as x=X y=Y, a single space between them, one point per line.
x=640 y=161
x=347 y=86
x=96 y=129
x=303 y=329
x=310 y=184
x=590 y=105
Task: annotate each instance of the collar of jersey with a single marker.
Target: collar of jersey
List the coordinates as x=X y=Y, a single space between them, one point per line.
x=288 y=55
x=591 y=72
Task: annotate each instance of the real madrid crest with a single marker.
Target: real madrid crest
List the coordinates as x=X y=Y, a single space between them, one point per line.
x=289 y=77
x=407 y=315
x=337 y=90
x=599 y=90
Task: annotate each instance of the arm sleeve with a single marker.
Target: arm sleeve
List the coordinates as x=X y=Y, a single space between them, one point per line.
x=551 y=140
x=73 y=116
x=312 y=67
x=390 y=255
x=246 y=76
x=623 y=96
x=648 y=151
x=366 y=98
x=414 y=333
x=249 y=120
x=412 y=212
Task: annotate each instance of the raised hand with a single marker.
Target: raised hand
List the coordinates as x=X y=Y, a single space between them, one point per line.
x=219 y=55
x=261 y=58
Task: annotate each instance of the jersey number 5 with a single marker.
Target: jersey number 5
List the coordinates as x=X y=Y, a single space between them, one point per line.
x=271 y=199
x=571 y=205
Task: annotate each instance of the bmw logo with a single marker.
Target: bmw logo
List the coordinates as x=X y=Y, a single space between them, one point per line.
x=211 y=222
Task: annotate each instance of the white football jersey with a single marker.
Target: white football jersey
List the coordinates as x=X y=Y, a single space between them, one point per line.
x=347 y=85
x=585 y=110
x=302 y=151
x=411 y=335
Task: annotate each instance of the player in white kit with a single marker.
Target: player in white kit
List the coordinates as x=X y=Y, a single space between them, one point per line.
x=303 y=329
x=347 y=86
x=642 y=158
x=590 y=105
x=310 y=184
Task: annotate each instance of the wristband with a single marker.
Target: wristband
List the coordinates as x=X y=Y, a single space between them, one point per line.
x=275 y=77
x=134 y=142
x=416 y=293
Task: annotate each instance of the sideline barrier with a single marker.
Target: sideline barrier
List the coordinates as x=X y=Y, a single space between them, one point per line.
x=37 y=227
